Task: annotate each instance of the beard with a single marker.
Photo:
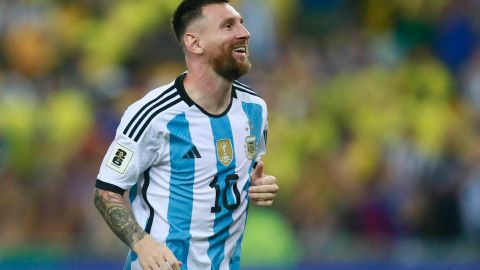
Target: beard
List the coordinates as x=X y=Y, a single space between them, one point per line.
x=225 y=65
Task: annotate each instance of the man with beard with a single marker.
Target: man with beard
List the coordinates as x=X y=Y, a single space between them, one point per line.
x=189 y=152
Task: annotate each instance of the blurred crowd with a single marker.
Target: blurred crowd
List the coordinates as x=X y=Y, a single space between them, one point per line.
x=374 y=118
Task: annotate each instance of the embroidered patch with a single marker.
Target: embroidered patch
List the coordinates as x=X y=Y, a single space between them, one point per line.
x=224 y=151
x=251 y=147
x=120 y=158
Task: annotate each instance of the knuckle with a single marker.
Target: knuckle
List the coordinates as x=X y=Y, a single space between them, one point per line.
x=165 y=250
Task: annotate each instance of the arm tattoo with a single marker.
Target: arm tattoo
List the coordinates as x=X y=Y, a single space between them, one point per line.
x=119 y=217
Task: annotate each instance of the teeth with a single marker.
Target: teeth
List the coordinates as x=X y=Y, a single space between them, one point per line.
x=240 y=49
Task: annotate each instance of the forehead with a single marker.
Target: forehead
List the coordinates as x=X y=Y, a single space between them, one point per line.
x=219 y=12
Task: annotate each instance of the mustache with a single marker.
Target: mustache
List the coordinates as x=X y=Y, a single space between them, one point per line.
x=240 y=44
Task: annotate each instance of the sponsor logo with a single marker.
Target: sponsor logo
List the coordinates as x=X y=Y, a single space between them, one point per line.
x=193 y=153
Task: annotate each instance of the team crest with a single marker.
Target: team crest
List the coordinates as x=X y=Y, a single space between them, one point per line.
x=224 y=151
x=251 y=147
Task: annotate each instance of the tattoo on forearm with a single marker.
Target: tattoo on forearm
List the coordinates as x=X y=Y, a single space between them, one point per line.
x=119 y=217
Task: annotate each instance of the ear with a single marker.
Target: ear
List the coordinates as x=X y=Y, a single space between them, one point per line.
x=192 y=43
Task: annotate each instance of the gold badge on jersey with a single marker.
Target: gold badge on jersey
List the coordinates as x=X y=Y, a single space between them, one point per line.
x=224 y=151
x=251 y=147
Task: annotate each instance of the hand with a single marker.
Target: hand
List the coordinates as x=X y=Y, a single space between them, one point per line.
x=155 y=256
x=263 y=188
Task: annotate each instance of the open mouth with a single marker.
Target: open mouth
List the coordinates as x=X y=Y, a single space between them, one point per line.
x=240 y=49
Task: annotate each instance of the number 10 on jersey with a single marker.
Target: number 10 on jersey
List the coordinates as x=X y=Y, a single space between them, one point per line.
x=229 y=179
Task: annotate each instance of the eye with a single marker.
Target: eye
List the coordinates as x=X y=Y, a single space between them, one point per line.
x=228 y=26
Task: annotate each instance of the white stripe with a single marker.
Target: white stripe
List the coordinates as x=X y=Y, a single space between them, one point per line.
x=203 y=195
x=135 y=265
x=158 y=196
x=236 y=230
x=239 y=125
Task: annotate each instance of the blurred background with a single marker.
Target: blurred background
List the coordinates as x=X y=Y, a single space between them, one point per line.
x=374 y=124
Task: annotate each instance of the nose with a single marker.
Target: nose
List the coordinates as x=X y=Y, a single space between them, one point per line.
x=243 y=32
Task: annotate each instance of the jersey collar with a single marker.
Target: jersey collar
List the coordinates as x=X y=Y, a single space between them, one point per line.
x=183 y=94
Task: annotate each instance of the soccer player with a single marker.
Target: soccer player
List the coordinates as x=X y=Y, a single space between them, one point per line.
x=189 y=152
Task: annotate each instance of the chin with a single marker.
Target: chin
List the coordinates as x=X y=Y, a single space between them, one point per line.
x=244 y=67
x=231 y=68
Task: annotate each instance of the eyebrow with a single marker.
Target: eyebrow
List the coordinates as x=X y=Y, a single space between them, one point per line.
x=231 y=20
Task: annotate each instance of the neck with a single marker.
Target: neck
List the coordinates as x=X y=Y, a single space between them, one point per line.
x=208 y=90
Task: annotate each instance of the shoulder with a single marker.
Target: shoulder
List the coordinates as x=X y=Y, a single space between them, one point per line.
x=140 y=114
x=247 y=94
x=154 y=98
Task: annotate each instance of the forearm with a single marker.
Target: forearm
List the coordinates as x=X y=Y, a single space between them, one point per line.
x=119 y=217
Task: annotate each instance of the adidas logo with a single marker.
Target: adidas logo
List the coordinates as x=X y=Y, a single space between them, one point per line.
x=193 y=153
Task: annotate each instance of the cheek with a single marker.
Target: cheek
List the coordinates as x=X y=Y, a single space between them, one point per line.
x=217 y=43
x=217 y=50
x=211 y=48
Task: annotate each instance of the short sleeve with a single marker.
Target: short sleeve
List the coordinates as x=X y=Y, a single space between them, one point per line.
x=126 y=159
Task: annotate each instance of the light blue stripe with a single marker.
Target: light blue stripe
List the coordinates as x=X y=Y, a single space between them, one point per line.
x=180 y=204
x=133 y=193
x=254 y=114
x=222 y=130
x=237 y=252
x=131 y=257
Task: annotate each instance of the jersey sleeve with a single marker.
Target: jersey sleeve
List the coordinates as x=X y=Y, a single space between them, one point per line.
x=126 y=159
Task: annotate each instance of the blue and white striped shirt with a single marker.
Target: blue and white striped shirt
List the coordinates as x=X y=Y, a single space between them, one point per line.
x=188 y=171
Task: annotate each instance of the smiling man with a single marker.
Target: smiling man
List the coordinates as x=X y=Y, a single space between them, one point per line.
x=189 y=153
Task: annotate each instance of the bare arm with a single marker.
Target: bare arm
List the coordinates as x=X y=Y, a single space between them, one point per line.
x=119 y=217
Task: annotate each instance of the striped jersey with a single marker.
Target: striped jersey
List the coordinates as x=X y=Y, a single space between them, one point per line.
x=188 y=171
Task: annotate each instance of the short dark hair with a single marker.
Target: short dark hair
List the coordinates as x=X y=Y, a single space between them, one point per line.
x=186 y=12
